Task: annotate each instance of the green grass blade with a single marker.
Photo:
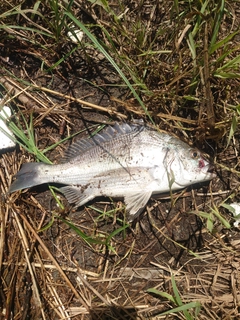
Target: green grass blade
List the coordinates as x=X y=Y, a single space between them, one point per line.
x=225 y=223
x=175 y=290
x=222 y=42
x=233 y=128
x=235 y=62
x=88 y=239
x=192 y=48
x=162 y=294
x=217 y=23
x=3 y=26
x=199 y=19
x=117 y=231
x=184 y=308
x=110 y=59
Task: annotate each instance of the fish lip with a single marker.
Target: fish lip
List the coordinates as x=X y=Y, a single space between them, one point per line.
x=209 y=170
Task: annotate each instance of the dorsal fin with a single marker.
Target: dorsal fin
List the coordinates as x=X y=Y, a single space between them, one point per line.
x=109 y=133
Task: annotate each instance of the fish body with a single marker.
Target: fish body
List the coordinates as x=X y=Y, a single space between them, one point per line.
x=127 y=161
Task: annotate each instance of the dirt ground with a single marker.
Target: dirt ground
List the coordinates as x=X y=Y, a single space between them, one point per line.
x=48 y=270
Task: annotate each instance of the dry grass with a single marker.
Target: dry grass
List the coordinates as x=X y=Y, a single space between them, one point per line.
x=179 y=69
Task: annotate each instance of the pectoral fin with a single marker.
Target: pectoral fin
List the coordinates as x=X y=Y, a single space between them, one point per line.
x=136 y=202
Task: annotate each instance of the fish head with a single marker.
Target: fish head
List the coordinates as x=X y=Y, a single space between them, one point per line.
x=188 y=166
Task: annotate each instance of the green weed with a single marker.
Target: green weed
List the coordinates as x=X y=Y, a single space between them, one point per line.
x=176 y=300
x=97 y=239
x=214 y=216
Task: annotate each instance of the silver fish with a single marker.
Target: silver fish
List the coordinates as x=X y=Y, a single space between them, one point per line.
x=129 y=161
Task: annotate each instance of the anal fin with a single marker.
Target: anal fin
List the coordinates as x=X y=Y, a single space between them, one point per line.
x=77 y=195
x=135 y=203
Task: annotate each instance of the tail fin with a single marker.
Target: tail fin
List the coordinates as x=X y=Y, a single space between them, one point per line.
x=27 y=177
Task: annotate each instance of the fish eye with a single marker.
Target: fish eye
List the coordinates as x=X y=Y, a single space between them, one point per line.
x=195 y=154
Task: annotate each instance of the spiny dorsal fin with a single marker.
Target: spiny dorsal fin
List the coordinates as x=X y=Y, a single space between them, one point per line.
x=109 y=133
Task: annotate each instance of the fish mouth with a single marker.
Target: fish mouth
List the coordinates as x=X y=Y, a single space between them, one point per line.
x=209 y=171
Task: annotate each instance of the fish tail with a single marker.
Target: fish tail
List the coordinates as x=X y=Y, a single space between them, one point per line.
x=29 y=176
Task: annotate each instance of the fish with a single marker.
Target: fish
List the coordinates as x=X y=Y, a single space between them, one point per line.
x=129 y=161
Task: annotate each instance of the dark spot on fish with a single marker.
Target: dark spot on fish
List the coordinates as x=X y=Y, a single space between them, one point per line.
x=85 y=187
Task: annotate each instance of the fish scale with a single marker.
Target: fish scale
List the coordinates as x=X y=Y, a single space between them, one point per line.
x=127 y=160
